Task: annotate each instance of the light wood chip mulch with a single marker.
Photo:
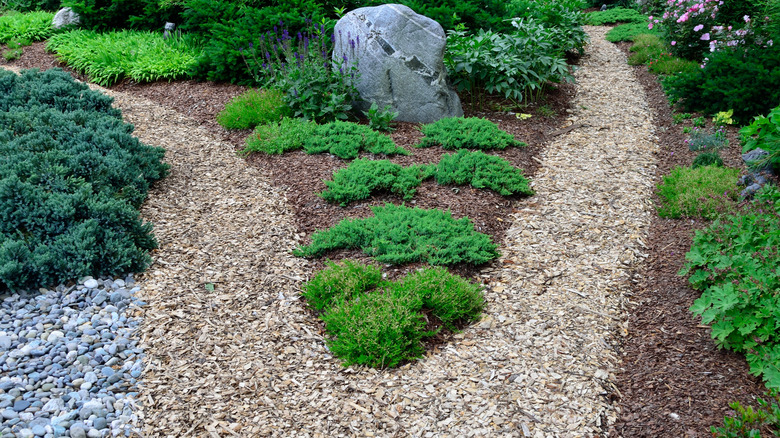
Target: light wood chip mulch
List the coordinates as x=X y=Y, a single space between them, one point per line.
x=246 y=359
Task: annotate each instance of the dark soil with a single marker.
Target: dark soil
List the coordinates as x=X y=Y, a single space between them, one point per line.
x=674 y=381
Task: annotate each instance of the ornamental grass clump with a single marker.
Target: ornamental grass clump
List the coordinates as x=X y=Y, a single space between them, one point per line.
x=466 y=133
x=380 y=323
x=365 y=177
x=482 y=171
x=705 y=192
x=255 y=107
x=398 y=234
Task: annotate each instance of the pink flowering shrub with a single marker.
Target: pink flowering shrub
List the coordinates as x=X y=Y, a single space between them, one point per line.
x=687 y=25
x=751 y=34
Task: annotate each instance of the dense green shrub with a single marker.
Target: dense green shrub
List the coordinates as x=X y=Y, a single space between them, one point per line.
x=343 y=281
x=142 y=56
x=563 y=19
x=380 y=323
x=488 y=14
x=30 y=5
x=764 y=133
x=398 y=234
x=628 y=31
x=615 y=15
x=707 y=159
x=280 y=137
x=666 y=64
x=364 y=177
x=123 y=14
x=482 y=171
x=702 y=192
x=346 y=139
x=71 y=180
x=466 y=133
x=32 y=26
x=255 y=107
x=646 y=48
x=734 y=263
x=741 y=79
x=749 y=422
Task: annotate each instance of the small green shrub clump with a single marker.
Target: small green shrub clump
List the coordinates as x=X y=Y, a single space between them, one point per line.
x=364 y=177
x=343 y=281
x=628 y=32
x=346 y=139
x=615 y=15
x=466 y=133
x=646 y=48
x=749 y=422
x=707 y=159
x=702 y=192
x=255 y=107
x=763 y=133
x=30 y=5
x=103 y=15
x=32 y=26
x=380 y=120
x=141 y=56
x=482 y=171
x=380 y=323
x=667 y=64
x=398 y=234
x=734 y=262
x=71 y=180
x=279 y=137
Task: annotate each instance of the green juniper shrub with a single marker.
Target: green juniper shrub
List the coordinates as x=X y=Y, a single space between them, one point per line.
x=255 y=107
x=279 y=137
x=734 y=263
x=380 y=120
x=450 y=298
x=562 y=18
x=667 y=64
x=139 y=55
x=748 y=422
x=482 y=171
x=398 y=234
x=377 y=329
x=707 y=159
x=615 y=15
x=364 y=177
x=741 y=79
x=32 y=26
x=105 y=15
x=343 y=281
x=466 y=133
x=346 y=139
x=678 y=118
x=702 y=192
x=646 y=48
x=30 y=5
x=71 y=181
x=628 y=31
x=487 y=14
x=763 y=133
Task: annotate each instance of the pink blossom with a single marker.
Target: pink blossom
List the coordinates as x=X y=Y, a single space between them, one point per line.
x=705 y=37
x=674 y=43
x=683 y=18
x=746 y=18
x=650 y=26
x=698 y=27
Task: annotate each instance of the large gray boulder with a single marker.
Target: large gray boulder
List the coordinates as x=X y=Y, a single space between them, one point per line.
x=400 y=57
x=65 y=17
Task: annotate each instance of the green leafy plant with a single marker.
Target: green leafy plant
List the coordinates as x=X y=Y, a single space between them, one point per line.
x=71 y=181
x=734 y=263
x=255 y=107
x=723 y=118
x=380 y=120
x=380 y=323
x=678 y=118
x=628 y=32
x=687 y=130
x=763 y=133
x=103 y=15
x=466 y=133
x=545 y=111
x=33 y=26
x=364 y=177
x=699 y=122
x=667 y=64
x=748 y=422
x=702 y=192
x=141 y=56
x=646 y=48
x=279 y=137
x=708 y=141
x=15 y=49
x=615 y=15
x=30 y=5
x=482 y=171
x=398 y=234
x=346 y=139
x=707 y=159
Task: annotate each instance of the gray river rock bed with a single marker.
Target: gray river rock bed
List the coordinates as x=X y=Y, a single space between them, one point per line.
x=69 y=362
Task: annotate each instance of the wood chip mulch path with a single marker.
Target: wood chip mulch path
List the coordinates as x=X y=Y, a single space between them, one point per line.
x=586 y=332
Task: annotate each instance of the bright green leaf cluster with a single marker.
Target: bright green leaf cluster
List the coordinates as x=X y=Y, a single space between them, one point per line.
x=380 y=323
x=279 y=137
x=71 y=179
x=141 y=56
x=615 y=15
x=364 y=177
x=398 y=234
x=466 y=133
x=253 y=108
x=30 y=26
x=628 y=32
x=735 y=263
x=702 y=192
x=764 y=133
x=748 y=422
x=482 y=171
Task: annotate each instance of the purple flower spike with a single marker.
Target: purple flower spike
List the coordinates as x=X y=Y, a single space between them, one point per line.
x=267 y=55
x=276 y=30
x=281 y=23
x=300 y=37
x=352 y=44
x=357 y=38
x=333 y=38
x=341 y=70
x=250 y=45
x=345 y=58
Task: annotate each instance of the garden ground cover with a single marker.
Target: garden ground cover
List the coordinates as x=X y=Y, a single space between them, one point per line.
x=644 y=417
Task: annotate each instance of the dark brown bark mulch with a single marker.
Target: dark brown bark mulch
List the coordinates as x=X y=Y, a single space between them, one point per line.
x=674 y=381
